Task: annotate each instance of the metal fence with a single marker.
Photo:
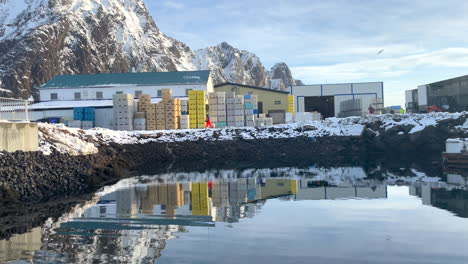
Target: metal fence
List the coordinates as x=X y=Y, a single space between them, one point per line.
x=14 y=109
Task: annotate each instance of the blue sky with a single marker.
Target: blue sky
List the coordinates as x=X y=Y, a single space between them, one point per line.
x=333 y=41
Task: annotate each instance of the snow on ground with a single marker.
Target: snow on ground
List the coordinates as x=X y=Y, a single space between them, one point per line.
x=77 y=142
x=64 y=140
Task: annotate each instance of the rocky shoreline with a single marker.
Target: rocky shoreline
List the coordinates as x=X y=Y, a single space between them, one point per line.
x=36 y=177
x=38 y=186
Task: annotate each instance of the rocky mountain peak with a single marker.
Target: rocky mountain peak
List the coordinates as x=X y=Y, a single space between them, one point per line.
x=40 y=39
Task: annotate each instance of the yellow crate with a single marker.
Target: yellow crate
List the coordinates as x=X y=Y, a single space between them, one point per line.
x=201 y=125
x=193 y=125
x=201 y=93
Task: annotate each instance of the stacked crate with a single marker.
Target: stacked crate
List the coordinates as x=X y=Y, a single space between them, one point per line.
x=172 y=113
x=263 y=120
x=150 y=117
x=166 y=94
x=184 y=116
x=192 y=107
x=123 y=111
x=139 y=122
x=231 y=109
x=160 y=116
x=143 y=101
x=85 y=117
x=213 y=108
x=197 y=108
x=251 y=109
x=221 y=109
x=291 y=104
x=200 y=199
x=239 y=118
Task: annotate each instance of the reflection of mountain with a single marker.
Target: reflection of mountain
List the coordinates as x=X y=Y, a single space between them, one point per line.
x=451 y=195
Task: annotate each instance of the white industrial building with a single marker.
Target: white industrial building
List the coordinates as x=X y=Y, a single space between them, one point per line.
x=328 y=98
x=60 y=95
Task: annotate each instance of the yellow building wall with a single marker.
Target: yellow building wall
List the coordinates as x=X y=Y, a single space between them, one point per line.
x=267 y=98
x=278 y=187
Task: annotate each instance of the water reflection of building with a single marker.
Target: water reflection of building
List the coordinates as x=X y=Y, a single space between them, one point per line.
x=313 y=190
x=451 y=195
x=21 y=246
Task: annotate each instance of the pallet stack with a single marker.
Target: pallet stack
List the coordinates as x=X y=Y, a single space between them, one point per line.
x=83 y=117
x=143 y=101
x=251 y=109
x=263 y=120
x=200 y=199
x=172 y=113
x=231 y=109
x=239 y=118
x=139 y=123
x=151 y=117
x=221 y=109
x=291 y=104
x=197 y=108
x=124 y=105
x=213 y=108
x=160 y=116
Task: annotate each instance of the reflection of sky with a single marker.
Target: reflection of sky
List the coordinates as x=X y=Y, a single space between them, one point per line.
x=395 y=230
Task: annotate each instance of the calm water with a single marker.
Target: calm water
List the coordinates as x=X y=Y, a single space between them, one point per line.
x=286 y=215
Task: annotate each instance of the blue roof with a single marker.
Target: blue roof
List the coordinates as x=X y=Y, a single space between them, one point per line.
x=140 y=78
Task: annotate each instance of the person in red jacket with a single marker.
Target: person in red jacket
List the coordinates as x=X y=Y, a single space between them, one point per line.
x=371 y=110
x=208 y=122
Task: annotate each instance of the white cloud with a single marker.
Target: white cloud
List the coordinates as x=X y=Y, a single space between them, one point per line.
x=384 y=68
x=173 y=4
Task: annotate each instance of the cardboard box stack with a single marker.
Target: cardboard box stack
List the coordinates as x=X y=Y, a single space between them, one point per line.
x=139 y=122
x=143 y=101
x=221 y=109
x=160 y=116
x=150 y=117
x=239 y=111
x=231 y=109
x=213 y=108
x=124 y=105
x=251 y=109
x=197 y=108
x=172 y=111
x=291 y=104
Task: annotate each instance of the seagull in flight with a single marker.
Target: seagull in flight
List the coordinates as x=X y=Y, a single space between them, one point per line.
x=380 y=51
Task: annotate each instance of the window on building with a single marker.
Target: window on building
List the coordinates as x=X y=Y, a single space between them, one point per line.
x=119 y=92
x=187 y=91
x=137 y=93
x=77 y=96
x=99 y=95
x=53 y=96
x=277 y=102
x=102 y=210
x=159 y=93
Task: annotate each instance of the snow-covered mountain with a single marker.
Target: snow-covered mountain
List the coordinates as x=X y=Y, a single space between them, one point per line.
x=40 y=39
x=229 y=64
x=281 y=77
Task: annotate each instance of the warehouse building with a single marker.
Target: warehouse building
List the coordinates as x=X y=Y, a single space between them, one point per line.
x=342 y=99
x=61 y=95
x=272 y=102
x=449 y=95
x=104 y=86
